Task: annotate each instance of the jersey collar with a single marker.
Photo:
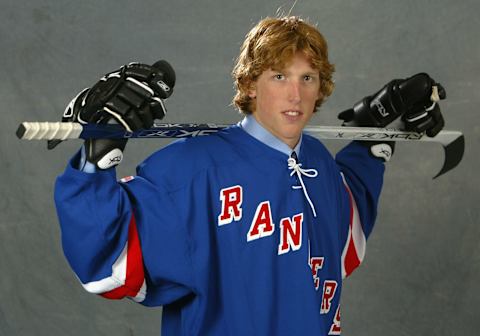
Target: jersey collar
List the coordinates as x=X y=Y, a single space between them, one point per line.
x=250 y=125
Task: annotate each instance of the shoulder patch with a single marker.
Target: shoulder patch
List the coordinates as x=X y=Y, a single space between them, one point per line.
x=127 y=179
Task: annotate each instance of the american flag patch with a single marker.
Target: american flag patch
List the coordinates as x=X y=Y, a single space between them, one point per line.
x=127 y=179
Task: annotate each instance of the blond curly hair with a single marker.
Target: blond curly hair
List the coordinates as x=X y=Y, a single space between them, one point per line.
x=272 y=43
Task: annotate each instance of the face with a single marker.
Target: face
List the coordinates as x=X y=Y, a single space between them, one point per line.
x=285 y=99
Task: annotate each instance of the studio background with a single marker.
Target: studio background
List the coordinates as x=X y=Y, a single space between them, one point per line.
x=422 y=270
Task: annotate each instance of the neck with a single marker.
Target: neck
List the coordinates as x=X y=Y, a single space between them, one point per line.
x=256 y=130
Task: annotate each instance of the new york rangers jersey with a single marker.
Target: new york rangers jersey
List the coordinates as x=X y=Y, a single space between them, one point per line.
x=229 y=235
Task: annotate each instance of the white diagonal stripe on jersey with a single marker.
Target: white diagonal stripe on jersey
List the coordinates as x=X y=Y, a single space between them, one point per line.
x=127 y=278
x=141 y=293
x=117 y=279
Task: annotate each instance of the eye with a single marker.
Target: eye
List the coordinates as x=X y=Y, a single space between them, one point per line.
x=279 y=76
x=308 y=78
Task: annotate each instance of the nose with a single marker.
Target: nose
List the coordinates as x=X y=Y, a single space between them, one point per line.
x=294 y=92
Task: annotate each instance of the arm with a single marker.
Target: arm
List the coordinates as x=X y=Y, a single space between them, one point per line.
x=104 y=229
x=360 y=185
x=361 y=163
x=99 y=233
x=122 y=239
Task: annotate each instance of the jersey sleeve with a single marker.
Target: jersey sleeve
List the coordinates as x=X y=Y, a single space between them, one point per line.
x=119 y=239
x=360 y=183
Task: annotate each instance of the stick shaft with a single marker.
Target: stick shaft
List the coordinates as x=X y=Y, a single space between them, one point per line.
x=69 y=130
x=452 y=141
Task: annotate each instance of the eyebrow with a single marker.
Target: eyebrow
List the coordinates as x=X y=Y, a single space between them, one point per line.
x=307 y=73
x=313 y=72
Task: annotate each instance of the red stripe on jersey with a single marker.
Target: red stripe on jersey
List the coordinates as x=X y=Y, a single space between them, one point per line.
x=351 y=259
x=134 y=275
x=354 y=250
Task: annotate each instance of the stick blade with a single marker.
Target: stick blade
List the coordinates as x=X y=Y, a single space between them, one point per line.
x=453 y=155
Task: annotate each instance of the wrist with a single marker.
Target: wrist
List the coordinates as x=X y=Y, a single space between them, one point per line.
x=104 y=153
x=382 y=150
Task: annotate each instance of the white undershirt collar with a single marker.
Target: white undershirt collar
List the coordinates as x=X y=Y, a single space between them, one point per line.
x=253 y=127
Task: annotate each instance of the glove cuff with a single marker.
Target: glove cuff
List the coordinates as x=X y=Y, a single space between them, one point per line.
x=380 y=150
x=105 y=153
x=111 y=159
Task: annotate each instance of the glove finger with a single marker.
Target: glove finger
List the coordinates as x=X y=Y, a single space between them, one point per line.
x=100 y=93
x=129 y=101
x=441 y=91
x=162 y=90
x=413 y=117
x=146 y=117
x=167 y=69
x=133 y=120
x=423 y=125
x=158 y=108
x=118 y=105
x=346 y=115
x=139 y=71
x=416 y=88
x=163 y=79
x=100 y=117
x=160 y=87
x=129 y=120
x=135 y=92
x=435 y=129
x=439 y=122
x=72 y=109
x=160 y=77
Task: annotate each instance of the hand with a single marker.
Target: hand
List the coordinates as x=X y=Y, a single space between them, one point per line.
x=415 y=99
x=422 y=95
x=132 y=96
x=377 y=110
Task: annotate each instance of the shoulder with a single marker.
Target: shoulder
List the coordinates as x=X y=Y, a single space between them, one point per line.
x=189 y=156
x=313 y=145
x=201 y=149
x=319 y=155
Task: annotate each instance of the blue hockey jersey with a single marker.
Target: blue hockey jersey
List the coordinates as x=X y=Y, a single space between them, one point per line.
x=229 y=235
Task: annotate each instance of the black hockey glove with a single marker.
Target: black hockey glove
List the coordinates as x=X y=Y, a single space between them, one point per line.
x=414 y=99
x=132 y=96
x=421 y=95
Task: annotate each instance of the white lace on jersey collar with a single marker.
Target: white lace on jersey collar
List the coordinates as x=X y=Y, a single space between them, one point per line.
x=252 y=127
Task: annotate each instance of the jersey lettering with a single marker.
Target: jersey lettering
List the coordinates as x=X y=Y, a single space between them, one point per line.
x=290 y=234
x=316 y=263
x=262 y=225
x=231 y=198
x=335 y=328
x=329 y=288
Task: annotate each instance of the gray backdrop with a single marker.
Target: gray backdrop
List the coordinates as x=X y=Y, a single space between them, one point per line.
x=422 y=270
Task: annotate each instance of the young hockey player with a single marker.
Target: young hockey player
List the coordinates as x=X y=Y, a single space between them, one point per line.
x=249 y=231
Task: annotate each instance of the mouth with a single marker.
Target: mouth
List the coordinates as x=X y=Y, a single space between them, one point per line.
x=292 y=113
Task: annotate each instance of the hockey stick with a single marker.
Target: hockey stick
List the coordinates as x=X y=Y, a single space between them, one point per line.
x=453 y=142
